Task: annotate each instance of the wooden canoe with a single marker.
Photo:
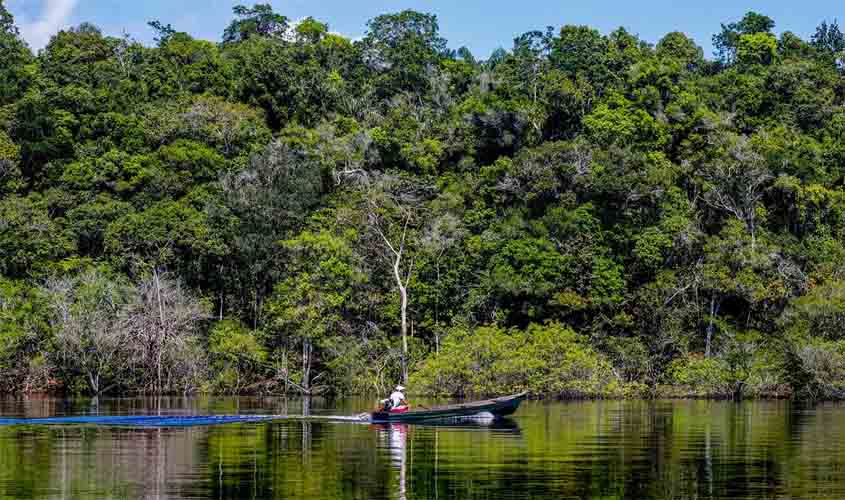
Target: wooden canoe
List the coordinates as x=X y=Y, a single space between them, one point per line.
x=498 y=407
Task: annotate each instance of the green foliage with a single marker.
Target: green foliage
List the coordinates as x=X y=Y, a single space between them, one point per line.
x=238 y=357
x=17 y=72
x=706 y=375
x=819 y=313
x=310 y=30
x=258 y=21
x=756 y=48
x=10 y=175
x=651 y=248
x=606 y=283
x=24 y=333
x=30 y=240
x=578 y=49
x=183 y=65
x=545 y=359
x=619 y=123
x=743 y=367
x=308 y=305
x=678 y=46
x=167 y=233
x=829 y=38
x=401 y=47
x=817 y=369
x=273 y=79
x=726 y=42
x=323 y=194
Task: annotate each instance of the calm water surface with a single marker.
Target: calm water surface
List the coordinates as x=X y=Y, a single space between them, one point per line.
x=605 y=449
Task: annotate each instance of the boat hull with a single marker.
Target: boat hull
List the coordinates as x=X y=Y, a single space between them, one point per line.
x=499 y=407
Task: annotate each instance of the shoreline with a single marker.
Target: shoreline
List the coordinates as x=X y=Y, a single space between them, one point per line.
x=658 y=396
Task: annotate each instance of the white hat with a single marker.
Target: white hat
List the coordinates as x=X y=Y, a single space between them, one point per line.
x=400 y=388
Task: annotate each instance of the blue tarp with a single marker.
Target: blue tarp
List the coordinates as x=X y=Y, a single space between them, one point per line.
x=143 y=420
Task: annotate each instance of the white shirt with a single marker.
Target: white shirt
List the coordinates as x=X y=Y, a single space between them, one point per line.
x=396 y=398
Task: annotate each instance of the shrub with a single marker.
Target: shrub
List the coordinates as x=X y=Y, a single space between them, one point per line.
x=237 y=356
x=740 y=369
x=549 y=359
x=818 y=369
x=700 y=376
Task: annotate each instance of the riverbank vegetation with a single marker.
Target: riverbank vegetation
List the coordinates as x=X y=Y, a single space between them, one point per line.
x=582 y=214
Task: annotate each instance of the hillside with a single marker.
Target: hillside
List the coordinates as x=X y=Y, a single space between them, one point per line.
x=584 y=214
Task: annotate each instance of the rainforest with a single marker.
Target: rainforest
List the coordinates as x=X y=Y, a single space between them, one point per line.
x=285 y=210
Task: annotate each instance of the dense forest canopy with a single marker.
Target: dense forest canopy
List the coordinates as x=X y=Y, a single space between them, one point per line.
x=289 y=210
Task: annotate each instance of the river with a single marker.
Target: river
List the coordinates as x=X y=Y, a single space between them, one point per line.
x=549 y=449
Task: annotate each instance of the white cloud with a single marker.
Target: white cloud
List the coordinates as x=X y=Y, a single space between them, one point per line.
x=53 y=17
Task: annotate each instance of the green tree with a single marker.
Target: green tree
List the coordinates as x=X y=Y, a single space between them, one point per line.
x=17 y=71
x=237 y=355
x=756 y=48
x=10 y=174
x=679 y=46
x=727 y=41
x=30 y=240
x=261 y=205
x=828 y=37
x=579 y=49
x=257 y=21
x=403 y=49
x=683 y=217
x=25 y=335
x=307 y=306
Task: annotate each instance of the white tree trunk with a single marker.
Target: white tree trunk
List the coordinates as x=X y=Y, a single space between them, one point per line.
x=714 y=310
x=306 y=364
x=403 y=296
x=401 y=284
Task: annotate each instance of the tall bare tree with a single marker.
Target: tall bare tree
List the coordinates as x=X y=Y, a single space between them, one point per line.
x=392 y=206
x=85 y=317
x=162 y=322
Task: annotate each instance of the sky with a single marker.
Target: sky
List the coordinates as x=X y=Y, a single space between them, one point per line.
x=480 y=25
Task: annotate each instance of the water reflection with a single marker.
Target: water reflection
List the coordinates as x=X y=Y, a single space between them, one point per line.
x=394 y=437
x=667 y=449
x=398 y=440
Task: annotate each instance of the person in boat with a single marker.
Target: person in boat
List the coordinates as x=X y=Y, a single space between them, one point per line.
x=396 y=403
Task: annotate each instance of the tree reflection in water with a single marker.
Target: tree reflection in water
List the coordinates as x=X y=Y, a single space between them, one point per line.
x=394 y=437
x=597 y=449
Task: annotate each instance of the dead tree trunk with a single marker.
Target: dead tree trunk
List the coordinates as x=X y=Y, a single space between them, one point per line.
x=714 y=310
x=306 y=365
x=160 y=340
x=402 y=286
x=403 y=297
